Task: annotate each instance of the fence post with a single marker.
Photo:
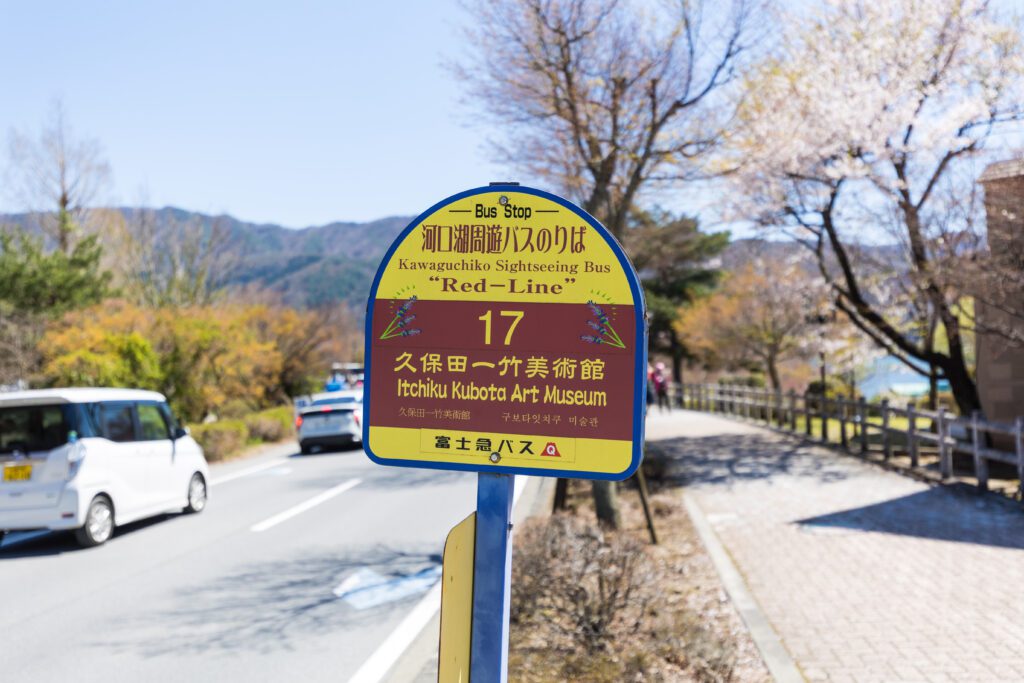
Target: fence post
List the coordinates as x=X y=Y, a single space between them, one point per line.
x=886 y=436
x=780 y=415
x=862 y=415
x=768 y=407
x=980 y=463
x=912 y=434
x=841 y=405
x=792 y=410
x=1018 y=432
x=807 y=416
x=945 y=453
x=824 y=416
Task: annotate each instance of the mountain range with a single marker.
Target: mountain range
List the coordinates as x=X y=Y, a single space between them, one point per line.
x=318 y=265
x=306 y=267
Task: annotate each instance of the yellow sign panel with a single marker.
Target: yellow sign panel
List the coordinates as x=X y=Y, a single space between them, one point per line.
x=457 y=603
x=529 y=249
x=505 y=332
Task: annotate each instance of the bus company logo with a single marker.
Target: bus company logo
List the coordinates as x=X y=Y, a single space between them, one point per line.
x=551 y=450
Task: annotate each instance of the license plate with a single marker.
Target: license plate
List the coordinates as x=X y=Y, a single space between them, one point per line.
x=17 y=472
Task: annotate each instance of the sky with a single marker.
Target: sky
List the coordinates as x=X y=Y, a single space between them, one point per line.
x=297 y=113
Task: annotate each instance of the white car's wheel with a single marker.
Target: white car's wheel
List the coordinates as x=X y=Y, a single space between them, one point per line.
x=196 y=494
x=99 y=523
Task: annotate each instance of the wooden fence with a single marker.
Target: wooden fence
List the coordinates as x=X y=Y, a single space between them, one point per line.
x=872 y=427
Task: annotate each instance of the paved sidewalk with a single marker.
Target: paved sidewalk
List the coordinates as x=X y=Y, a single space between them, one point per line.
x=866 y=575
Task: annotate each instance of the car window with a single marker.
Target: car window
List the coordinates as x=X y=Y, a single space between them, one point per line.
x=172 y=422
x=340 y=399
x=152 y=426
x=33 y=428
x=116 y=421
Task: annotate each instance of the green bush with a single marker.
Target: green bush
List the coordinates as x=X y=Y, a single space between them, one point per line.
x=273 y=424
x=753 y=381
x=221 y=439
x=832 y=388
x=224 y=438
x=234 y=409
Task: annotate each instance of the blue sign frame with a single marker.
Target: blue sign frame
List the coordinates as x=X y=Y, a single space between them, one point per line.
x=639 y=360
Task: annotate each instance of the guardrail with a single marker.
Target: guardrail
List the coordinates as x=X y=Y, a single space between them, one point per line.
x=871 y=427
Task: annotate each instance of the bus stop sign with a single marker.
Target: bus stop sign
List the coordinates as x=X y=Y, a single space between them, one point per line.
x=505 y=333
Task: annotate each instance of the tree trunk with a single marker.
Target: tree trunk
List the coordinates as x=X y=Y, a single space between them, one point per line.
x=933 y=387
x=64 y=227
x=933 y=370
x=606 y=504
x=677 y=359
x=773 y=372
x=561 y=493
x=965 y=391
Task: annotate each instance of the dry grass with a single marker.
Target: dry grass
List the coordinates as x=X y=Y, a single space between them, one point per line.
x=607 y=607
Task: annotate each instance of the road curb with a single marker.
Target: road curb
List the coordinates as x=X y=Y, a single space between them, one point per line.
x=780 y=665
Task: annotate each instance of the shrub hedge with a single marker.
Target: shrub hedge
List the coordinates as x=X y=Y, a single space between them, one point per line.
x=270 y=425
x=224 y=438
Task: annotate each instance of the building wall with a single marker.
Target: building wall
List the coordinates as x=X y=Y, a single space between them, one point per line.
x=1000 y=369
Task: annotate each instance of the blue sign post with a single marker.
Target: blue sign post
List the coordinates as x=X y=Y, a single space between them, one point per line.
x=492 y=577
x=505 y=334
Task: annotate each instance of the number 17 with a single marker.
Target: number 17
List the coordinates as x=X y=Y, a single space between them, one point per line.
x=486 y=317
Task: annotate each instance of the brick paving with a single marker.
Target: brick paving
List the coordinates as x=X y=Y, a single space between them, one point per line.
x=866 y=575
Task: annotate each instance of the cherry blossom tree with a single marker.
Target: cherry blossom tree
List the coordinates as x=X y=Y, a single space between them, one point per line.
x=868 y=125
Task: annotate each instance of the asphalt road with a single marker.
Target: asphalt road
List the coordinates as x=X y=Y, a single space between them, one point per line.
x=244 y=591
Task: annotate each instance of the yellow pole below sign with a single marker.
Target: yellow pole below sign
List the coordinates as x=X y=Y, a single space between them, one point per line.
x=457 y=603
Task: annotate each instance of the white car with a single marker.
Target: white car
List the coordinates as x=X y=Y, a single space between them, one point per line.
x=91 y=459
x=330 y=420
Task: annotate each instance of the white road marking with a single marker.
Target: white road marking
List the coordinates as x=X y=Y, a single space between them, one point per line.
x=247 y=471
x=307 y=505
x=394 y=646
x=384 y=657
x=517 y=489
